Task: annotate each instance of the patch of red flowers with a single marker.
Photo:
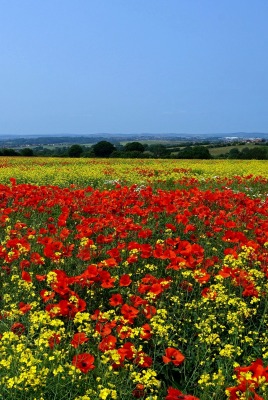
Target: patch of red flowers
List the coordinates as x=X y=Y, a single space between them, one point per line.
x=249 y=383
x=116 y=255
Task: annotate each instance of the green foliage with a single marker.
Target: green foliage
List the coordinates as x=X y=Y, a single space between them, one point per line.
x=159 y=150
x=234 y=153
x=254 y=153
x=8 y=152
x=134 y=146
x=27 y=152
x=195 y=152
x=103 y=148
x=129 y=154
x=75 y=151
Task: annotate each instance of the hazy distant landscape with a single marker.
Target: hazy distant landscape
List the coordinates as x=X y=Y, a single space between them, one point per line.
x=14 y=141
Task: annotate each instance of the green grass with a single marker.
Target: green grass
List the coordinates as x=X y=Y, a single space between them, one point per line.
x=216 y=151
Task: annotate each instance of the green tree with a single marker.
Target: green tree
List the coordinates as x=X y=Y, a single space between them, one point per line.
x=186 y=152
x=103 y=148
x=196 y=152
x=75 y=151
x=134 y=146
x=258 y=153
x=234 y=153
x=9 y=152
x=245 y=153
x=27 y=152
x=201 y=152
x=159 y=150
x=255 y=153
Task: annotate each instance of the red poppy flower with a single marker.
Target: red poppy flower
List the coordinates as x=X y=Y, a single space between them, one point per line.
x=207 y=292
x=176 y=394
x=24 y=264
x=26 y=276
x=250 y=291
x=69 y=309
x=139 y=391
x=145 y=233
x=127 y=350
x=174 y=356
x=116 y=300
x=189 y=228
x=37 y=259
x=125 y=280
x=146 y=332
x=84 y=362
x=114 y=253
x=137 y=301
x=54 y=339
x=105 y=328
x=129 y=313
x=149 y=311
x=17 y=328
x=40 y=278
x=24 y=308
x=143 y=360
x=78 y=338
x=107 y=282
x=123 y=331
x=257 y=369
x=235 y=392
x=156 y=288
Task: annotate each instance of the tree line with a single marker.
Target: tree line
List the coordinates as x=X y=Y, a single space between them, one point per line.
x=135 y=150
x=108 y=149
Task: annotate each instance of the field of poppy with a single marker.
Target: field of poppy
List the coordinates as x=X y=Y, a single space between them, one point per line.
x=141 y=279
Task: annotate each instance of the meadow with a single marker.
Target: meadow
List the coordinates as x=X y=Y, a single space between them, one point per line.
x=133 y=279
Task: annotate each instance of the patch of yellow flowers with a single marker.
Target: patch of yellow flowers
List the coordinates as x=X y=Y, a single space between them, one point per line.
x=63 y=172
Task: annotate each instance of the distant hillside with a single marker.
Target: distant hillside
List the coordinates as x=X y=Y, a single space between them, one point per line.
x=68 y=139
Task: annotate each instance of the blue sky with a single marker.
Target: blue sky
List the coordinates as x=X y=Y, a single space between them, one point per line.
x=133 y=66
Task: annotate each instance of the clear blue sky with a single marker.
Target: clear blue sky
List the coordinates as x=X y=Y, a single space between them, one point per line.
x=84 y=66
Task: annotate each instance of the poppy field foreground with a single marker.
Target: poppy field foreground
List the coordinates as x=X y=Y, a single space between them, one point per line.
x=134 y=291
